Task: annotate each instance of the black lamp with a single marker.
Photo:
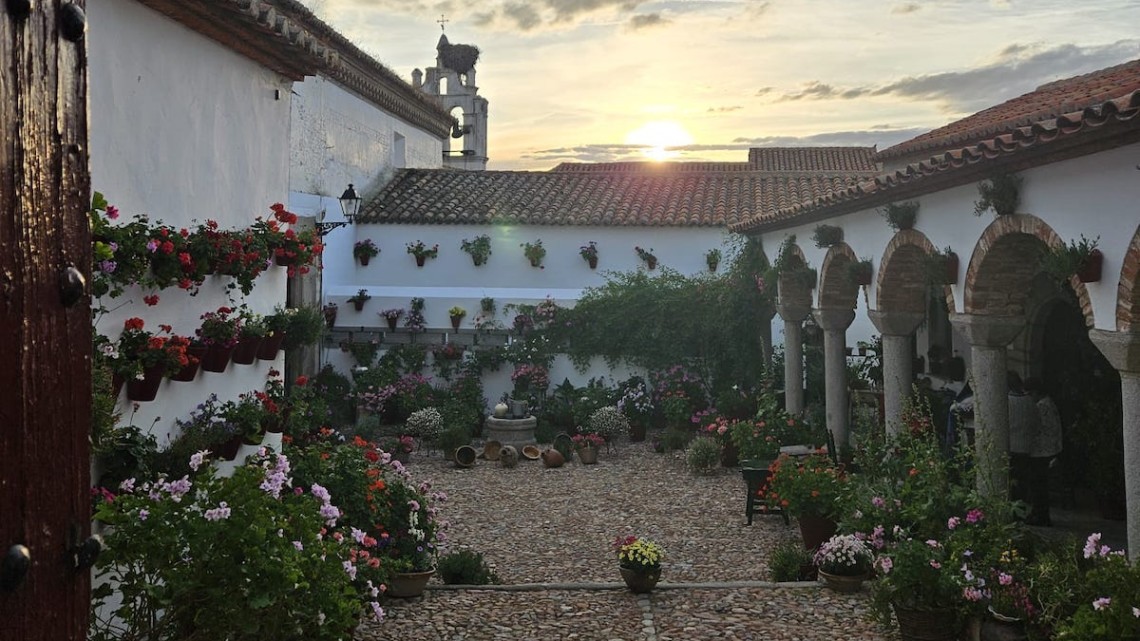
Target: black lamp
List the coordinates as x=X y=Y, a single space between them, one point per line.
x=349 y=206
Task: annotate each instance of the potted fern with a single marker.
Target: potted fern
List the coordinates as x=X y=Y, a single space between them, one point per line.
x=359 y=299
x=827 y=236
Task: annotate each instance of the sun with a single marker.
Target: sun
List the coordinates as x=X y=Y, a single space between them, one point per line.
x=660 y=138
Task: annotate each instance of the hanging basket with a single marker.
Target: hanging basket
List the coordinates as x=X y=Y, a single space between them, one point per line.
x=270 y=346
x=246 y=350
x=146 y=388
x=217 y=358
x=1090 y=270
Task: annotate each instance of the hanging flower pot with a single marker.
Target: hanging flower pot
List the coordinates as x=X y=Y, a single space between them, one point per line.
x=270 y=345
x=456 y=321
x=951 y=265
x=391 y=323
x=217 y=358
x=1090 y=270
x=228 y=450
x=246 y=350
x=195 y=354
x=651 y=263
x=592 y=262
x=364 y=260
x=420 y=260
x=146 y=388
x=281 y=260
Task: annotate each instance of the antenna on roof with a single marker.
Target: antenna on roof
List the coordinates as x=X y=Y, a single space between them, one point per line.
x=442 y=21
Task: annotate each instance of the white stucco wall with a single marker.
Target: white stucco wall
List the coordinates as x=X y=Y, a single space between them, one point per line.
x=338 y=138
x=183 y=129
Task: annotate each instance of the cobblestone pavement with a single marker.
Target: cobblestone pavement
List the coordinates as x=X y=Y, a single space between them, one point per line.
x=547 y=534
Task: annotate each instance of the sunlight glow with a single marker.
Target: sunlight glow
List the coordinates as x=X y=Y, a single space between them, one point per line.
x=658 y=136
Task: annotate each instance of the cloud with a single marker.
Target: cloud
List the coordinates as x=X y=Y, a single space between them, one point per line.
x=724 y=110
x=764 y=91
x=909 y=7
x=524 y=15
x=646 y=20
x=1018 y=69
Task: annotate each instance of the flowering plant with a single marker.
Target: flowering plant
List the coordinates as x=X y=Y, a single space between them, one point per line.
x=845 y=555
x=712 y=258
x=159 y=575
x=298 y=250
x=636 y=553
x=420 y=250
x=807 y=487
x=362 y=296
x=415 y=320
x=534 y=252
x=917 y=574
x=139 y=350
x=392 y=314
x=636 y=402
x=456 y=312
x=755 y=440
x=587 y=440
x=527 y=377
x=479 y=248
x=1108 y=597
x=365 y=249
x=608 y=422
x=221 y=328
x=403 y=444
x=589 y=251
x=426 y=424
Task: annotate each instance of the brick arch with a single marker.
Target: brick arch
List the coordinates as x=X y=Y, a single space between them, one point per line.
x=1003 y=265
x=901 y=283
x=1128 y=291
x=836 y=290
x=791 y=293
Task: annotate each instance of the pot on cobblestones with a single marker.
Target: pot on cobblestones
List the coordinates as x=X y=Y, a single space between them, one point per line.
x=404 y=585
x=640 y=581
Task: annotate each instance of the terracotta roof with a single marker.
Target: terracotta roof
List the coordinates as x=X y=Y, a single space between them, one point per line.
x=284 y=36
x=812 y=159
x=1109 y=124
x=612 y=194
x=1044 y=103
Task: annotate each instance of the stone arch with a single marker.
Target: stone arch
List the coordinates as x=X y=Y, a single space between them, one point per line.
x=1128 y=291
x=901 y=283
x=1003 y=265
x=789 y=291
x=836 y=289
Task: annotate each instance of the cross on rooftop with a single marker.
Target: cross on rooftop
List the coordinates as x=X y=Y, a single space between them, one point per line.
x=442 y=20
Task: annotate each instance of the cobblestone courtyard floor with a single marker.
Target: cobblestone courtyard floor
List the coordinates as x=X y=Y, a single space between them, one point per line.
x=547 y=534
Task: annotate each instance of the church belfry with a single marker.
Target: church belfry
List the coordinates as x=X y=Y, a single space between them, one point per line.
x=452 y=80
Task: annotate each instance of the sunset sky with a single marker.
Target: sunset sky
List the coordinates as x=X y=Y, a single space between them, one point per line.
x=608 y=80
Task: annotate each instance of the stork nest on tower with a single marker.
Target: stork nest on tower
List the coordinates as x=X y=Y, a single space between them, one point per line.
x=459 y=58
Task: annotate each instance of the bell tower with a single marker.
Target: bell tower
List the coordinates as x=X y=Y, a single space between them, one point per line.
x=452 y=81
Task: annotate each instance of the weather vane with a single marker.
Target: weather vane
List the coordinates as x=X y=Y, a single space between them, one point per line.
x=442 y=21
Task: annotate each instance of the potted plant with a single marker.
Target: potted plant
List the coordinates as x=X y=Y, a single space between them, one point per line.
x=900 y=216
x=276 y=324
x=587 y=445
x=305 y=326
x=297 y=251
x=146 y=358
x=827 y=236
x=392 y=316
x=808 y=489
x=479 y=248
x=422 y=252
x=252 y=331
x=589 y=253
x=527 y=379
x=219 y=332
x=534 y=252
x=607 y=422
x=414 y=320
x=448 y=351
x=712 y=259
x=359 y=299
x=365 y=250
x=860 y=272
x=487 y=304
x=456 y=313
x=1079 y=258
x=757 y=442
x=329 y=313
x=647 y=256
x=639 y=560
x=800 y=276
x=1000 y=193
x=844 y=562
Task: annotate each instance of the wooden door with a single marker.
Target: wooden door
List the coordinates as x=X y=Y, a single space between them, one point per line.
x=45 y=326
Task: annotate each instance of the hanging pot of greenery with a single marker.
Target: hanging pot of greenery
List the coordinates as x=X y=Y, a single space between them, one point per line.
x=861 y=272
x=900 y=216
x=1090 y=270
x=827 y=236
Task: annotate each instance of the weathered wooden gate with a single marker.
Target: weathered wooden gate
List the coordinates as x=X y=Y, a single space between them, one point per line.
x=45 y=322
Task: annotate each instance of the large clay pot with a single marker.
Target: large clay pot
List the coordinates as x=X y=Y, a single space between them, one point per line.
x=815 y=530
x=553 y=458
x=405 y=585
x=465 y=456
x=492 y=450
x=843 y=583
x=588 y=455
x=926 y=625
x=509 y=457
x=640 y=581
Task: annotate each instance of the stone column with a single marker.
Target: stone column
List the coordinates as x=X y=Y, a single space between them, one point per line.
x=834 y=323
x=1122 y=349
x=793 y=316
x=898 y=367
x=988 y=337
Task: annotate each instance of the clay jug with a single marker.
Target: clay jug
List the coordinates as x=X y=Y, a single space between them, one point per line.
x=509 y=456
x=552 y=458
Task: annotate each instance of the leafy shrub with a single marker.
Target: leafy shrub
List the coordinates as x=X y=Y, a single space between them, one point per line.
x=466 y=567
x=703 y=456
x=786 y=560
x=426 y=424
x=607 y=422
x=676 y=439
x=452 y=439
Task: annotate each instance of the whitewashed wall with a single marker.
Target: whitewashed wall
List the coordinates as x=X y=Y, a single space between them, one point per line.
x=184 y=129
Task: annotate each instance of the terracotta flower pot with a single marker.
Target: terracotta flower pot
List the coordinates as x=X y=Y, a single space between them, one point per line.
x=392 y=323
x=843 y=583
x=270 y=346
x=364 y=260
x=216 y=358
x=456 y=321
x=1090 y=270
x=815 y=530
x=588 y=455
x=593 y=262
x=190 y=371
x=405 y=585
x=553 y=458
x=246 y=350
x=420 y=260
x=146 y=388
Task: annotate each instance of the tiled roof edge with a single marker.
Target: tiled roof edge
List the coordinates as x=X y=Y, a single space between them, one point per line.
x=919 y=177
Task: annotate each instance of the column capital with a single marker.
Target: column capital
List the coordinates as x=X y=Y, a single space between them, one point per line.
x=793 y=313
x=1122 y=349
x=833 y=318
x=988 y=331
x=896 y=323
